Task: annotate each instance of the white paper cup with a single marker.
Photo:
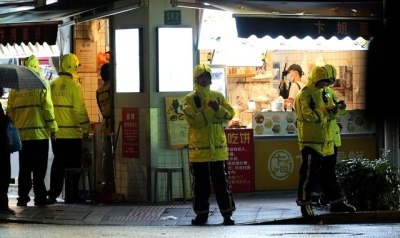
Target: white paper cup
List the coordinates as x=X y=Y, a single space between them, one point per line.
x=289 y=107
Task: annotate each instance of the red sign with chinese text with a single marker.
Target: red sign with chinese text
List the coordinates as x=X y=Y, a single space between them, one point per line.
x=29 y=32
x=130 y=132
x=241 y=159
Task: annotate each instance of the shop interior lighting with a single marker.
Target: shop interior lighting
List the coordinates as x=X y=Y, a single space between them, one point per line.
x=365 y=43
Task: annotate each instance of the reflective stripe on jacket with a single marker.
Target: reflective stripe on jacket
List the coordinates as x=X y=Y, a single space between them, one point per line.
x=69 y=107
x=32 y=113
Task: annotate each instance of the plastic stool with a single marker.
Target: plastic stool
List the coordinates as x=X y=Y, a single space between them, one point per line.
x=87 y=188
x=169 y=171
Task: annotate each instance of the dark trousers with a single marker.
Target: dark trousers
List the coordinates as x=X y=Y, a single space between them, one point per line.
x=317 y=168
x=5 y=175
x=67 y=154
x=218 y=172
x=329 y=163
x=33 y=159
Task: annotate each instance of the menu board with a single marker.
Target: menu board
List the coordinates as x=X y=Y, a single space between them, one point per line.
x=283 y=123
x=177 y=126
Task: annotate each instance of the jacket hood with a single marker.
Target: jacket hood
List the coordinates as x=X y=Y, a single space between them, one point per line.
x=69 y=64
x=201 y=69
x=331 y=72
x=317 y=73
x=33 y=63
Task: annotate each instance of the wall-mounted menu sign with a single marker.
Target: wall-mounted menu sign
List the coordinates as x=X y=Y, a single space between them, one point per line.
x=86 y=50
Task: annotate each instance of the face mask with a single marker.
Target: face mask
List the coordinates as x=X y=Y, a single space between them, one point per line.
x=289 y=78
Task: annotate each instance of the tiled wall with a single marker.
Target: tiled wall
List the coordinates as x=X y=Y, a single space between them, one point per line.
x=355 y=97
x=92 y=81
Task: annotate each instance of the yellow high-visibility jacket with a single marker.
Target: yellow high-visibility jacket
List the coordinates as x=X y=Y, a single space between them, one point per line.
x=313 y=120
x=69 y=107
x=32 y=113
x=207 y=140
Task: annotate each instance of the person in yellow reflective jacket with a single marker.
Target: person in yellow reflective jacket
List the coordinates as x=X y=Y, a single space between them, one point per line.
x=73 y=123
x=315 y=110
x=318 y=196
x=32 y=113
x=206 y=111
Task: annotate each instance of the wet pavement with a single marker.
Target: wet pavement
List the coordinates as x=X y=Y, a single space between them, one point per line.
x=254 y=208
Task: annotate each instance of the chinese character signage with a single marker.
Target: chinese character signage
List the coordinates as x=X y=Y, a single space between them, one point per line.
x=30 y=32
x=86 y=50
x=241 y=159
x=130 y=132
x=301 y=28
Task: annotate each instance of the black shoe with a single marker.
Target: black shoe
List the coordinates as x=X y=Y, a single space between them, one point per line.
x=229 y=221
x=43 y=203
x=51 y=200
x=342 y=207
x=200 y=219
x=306 y=210
x=7 y=210
x=22 y=204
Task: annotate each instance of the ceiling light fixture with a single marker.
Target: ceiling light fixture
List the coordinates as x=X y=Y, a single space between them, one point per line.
x=175 y=3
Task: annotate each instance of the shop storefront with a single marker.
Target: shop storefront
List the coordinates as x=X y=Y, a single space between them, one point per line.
x=253 y=76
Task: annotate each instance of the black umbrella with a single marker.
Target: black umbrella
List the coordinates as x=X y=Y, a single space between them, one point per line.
x=20 y=77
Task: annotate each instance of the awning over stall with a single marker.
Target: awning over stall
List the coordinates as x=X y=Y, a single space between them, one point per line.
x=288 y=27
x=39 y=32
x=37 y=25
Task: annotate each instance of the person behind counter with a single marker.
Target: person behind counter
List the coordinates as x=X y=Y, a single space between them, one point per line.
x=294 y=74
x=314 y=111
x=205 y=111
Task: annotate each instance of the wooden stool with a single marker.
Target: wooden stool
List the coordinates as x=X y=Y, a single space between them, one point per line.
x=87 y=188
x=169 y=171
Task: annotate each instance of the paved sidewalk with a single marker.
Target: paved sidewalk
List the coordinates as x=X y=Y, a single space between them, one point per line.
x=255 y=208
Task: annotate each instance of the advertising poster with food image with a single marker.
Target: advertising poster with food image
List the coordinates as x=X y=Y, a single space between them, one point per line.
x=284 y=123
x=177 y=127
x=354 y=122
x=274 y=123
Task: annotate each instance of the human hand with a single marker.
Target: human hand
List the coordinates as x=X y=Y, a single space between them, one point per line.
x=214 y=104
x=341 y=104
x=332 y=110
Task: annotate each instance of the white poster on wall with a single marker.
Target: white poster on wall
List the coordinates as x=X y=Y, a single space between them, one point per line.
x=218 y=78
